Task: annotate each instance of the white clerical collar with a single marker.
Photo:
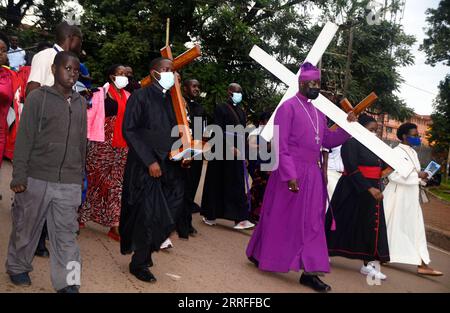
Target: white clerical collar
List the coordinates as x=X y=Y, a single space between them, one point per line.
x=58 y=47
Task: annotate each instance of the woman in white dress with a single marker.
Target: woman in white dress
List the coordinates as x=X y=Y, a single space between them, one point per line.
x=404 y=219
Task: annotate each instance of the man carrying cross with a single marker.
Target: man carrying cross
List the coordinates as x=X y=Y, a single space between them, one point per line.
x=291 y=234
x=153 y=188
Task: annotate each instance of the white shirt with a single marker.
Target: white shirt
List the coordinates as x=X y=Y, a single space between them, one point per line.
x=41 y=66
x=335 y=160
x=257 y=131
x=16 y=57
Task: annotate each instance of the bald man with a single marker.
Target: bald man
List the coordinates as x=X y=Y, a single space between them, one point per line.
x=224 y=195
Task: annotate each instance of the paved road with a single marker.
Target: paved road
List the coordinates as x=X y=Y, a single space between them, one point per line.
x=214 y=261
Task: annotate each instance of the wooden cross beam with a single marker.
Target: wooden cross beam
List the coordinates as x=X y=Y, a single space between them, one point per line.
x=190 y=146
x=361 y=107
x=178 y=63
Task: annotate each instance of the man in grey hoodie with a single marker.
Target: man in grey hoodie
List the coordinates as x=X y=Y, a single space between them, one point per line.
x=49 y=161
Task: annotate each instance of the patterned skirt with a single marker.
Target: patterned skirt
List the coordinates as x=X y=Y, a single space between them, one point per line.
x=257 y=191
x=105 y=166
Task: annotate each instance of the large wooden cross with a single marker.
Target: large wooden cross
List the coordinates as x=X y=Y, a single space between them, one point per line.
x=356 y=130
x=190 y=147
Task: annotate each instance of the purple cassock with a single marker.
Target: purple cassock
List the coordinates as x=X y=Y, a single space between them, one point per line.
x=290 y=234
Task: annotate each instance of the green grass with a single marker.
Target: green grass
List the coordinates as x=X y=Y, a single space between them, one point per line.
x=443 y=191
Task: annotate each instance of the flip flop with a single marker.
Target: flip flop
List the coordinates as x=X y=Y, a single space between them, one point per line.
x=429 y=272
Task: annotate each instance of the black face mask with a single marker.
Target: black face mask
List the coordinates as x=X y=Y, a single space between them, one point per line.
x=313 y=93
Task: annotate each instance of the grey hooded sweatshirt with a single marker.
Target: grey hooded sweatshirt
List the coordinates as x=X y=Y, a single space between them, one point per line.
x=52 y=138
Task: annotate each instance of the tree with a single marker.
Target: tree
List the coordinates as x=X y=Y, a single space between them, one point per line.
x=439 y=134
x=227 y=30
x=437 y=43
x=49 y=13
x=437 y=49
x=12 y=12
x=378 y=51
x=46 y=14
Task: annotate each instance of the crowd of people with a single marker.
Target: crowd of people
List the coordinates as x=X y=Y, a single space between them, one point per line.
x=83 y=154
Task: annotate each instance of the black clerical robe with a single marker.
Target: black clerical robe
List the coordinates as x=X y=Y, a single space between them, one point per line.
x=192 y=174
x=224 y=194
x=195 y=110
x=360 y=223
x=150 y=206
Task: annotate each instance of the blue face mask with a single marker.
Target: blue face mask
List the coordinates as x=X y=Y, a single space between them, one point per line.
x=237 y=97
x=413 y=141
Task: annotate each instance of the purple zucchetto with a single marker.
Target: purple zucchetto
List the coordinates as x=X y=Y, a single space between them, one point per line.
x=309 y=72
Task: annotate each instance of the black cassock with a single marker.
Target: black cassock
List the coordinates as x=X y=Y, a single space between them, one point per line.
x=224 y=191
x=192 y=174
x=150 y=206
x=360 y=223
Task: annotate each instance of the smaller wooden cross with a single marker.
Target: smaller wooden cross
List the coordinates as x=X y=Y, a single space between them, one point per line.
x=361 y=107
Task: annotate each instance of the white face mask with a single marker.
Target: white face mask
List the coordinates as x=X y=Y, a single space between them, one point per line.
x=237 y=97
x=121 y=82
x=166 y=80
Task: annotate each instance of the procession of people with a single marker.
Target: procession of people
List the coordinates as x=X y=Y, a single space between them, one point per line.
x=114 y=143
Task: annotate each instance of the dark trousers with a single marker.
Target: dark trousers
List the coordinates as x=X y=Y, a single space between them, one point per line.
x=195 y=173
x=141 y=259
x=191 y=180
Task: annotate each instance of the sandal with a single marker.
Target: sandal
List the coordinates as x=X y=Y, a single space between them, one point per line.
x=428 y=271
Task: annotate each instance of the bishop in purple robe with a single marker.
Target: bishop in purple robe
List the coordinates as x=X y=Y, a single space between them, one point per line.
x=291 y=231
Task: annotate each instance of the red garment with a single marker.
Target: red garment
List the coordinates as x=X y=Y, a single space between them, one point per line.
x=118 y=140
x=371 y=172
x=6 y=97
x=19 y=87
x=105 y=166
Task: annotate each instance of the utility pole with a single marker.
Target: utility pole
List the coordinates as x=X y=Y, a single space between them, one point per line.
x=349 y=62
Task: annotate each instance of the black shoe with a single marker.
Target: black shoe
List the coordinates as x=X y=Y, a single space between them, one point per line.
x=20 y=279
x=314 y=282
x=70 y=289
x=254 y=261
x=254 y=219
x=143 y=274
x=42 y=252
x=192 y=231
x=184 y=236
